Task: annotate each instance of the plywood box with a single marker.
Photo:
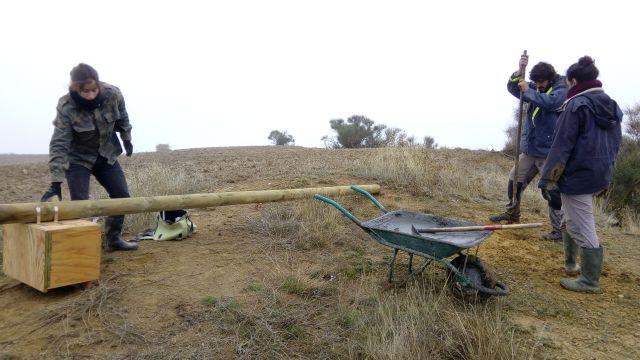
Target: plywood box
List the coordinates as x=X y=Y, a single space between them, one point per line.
x=53 y=254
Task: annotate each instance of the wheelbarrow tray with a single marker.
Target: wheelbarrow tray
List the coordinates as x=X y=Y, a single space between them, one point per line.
x=395 y=229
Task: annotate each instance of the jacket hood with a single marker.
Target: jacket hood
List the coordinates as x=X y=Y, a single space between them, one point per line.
x=607 y=111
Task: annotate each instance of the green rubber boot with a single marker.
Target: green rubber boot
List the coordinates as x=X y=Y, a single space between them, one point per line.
x=571 y=267
x=589 y=280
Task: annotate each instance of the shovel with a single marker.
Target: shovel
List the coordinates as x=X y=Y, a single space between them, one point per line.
x=418 y=231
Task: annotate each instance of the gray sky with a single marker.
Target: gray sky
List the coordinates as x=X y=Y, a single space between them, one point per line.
x=223 y=73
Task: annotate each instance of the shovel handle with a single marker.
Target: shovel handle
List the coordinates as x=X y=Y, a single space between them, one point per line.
x=478 y=228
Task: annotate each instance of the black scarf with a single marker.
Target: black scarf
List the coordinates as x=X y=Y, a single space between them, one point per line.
x=85 y=104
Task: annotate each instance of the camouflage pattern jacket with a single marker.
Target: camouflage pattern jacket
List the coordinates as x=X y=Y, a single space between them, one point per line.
x=80 y=136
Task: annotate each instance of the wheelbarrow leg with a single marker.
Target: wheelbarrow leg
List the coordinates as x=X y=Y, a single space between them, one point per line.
x=392 y=263
x=410 y=262
x=426 y=263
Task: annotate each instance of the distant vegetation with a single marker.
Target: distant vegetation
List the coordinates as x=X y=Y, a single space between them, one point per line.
x=358 y=131
x=163 y=148
x=624 y=195
x=278 y=137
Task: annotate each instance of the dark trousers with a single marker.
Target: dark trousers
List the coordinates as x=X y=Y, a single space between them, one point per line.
x=111 y=177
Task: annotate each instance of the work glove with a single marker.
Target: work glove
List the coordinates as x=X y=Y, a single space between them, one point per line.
x=128 y=147
x=54 y=190
x=546 y=194
x=546 y=187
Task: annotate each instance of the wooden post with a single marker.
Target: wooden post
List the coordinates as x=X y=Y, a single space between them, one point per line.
x=26 y=212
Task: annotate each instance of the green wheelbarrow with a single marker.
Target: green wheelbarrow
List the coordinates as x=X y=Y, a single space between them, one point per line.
x=428 y=236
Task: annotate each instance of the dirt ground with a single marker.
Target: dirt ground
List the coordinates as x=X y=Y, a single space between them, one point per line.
x=160 y=285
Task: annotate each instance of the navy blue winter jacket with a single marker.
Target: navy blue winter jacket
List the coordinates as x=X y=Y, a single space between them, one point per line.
x=537 y=129
x=585 y=146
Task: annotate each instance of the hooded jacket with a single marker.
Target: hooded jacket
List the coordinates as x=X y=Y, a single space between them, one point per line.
x=80 y=135
x=586 y=143
x=542 y=115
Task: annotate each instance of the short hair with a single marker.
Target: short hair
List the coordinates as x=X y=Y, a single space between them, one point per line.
x=584 y=70
x=542 y=71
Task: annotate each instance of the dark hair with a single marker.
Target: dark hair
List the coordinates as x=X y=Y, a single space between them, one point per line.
x=584 y=70
x=83 y=72
x=81 y=75
x=542 y=71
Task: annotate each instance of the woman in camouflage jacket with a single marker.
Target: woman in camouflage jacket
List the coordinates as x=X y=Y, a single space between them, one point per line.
x=84 y=143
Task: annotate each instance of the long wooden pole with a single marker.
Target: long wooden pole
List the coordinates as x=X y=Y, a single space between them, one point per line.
x=477 y=228
x=26 y=212
x=517 y=139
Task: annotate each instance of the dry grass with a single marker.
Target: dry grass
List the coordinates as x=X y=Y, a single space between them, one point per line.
x=93 y=316
x=446 y=174
x=423 y=321
x=305 y=224
x=630 y=221
x=153 y=179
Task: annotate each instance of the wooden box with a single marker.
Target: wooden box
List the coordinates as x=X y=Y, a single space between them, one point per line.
x=53 y=254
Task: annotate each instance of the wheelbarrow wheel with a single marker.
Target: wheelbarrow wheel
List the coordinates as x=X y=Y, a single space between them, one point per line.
x=473 y=281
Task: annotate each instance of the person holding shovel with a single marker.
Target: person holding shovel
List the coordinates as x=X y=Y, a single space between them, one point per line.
x=84 y=143
x=545 y=94
x=580 y=164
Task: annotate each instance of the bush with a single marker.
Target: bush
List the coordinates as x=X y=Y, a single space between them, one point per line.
x=278 y=137
x=361 y=132
x=625 y=190
x=356 y=132
x=163 y=148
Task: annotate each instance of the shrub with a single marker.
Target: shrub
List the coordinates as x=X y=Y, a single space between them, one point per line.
x=278 y=137
x=163 y=148
x=625 y=189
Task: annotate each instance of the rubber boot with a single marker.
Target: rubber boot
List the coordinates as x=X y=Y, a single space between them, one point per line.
x=112 y=232
x=570 y=254
x=512 y=213
x=591 y=267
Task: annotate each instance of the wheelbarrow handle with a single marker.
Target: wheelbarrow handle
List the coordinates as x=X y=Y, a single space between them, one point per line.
x=337 y=206
x=373 y=200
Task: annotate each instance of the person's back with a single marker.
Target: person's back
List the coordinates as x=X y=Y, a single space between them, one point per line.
x=580 y=164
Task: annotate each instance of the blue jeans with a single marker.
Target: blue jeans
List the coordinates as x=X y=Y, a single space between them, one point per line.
x=111 y=177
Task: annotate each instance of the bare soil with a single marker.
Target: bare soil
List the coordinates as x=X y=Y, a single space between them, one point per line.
x=149 y=303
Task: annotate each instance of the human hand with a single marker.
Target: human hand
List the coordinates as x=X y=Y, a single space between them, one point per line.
x=545 y=194
x=54 y=190
x=128 y=147
x=524 y=61
x=523 y=85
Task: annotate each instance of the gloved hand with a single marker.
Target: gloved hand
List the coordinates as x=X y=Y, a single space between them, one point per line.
x=128 y=147
x=54 y=190
x=545 y=194
x=546 y=186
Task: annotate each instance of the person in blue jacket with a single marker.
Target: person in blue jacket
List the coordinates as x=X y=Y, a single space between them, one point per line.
x=580 y=164
x=544 y=95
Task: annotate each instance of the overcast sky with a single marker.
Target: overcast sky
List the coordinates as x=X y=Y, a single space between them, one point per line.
x=224 y=73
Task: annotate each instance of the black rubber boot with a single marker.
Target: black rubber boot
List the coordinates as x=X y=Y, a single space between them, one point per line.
x=553 y=235
x=570 y=254
x=512 y=213
x=112 y=232
x=591 y=267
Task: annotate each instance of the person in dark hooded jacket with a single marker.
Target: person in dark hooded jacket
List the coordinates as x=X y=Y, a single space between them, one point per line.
x=580 y=164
